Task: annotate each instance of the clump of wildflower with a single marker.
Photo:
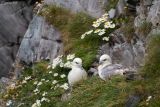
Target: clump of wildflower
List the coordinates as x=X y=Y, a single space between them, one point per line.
x=54 y=82
x=45 y=99
x=26 y=79
x=56 y=61
x=35 y=83
x=100 y=26
x=65 y=86
x=55 y=74
x=70 y=56
x=44 y=94
x=148 y=99
x=63 y=76
x=40 y=83
x=37 y=103
x=106 y=39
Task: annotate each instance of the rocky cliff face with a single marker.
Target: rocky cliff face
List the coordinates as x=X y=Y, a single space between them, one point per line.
x=94 y=8
x=41 y=41
x=14 y=20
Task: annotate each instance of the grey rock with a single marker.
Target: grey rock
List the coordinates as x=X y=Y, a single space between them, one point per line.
x=138 y=21
x=94 y=8
x=120 y=10
x=147 y=2
x=4 y=82
x=142 y=13
x=41 y=42
x=112 y=13
x=122 y=52
x=92 y=71
x=154 y=14
x=133 y=101
x=14 y=20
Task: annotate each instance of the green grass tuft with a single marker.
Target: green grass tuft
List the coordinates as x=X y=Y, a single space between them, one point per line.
x=72 y=27
x=145 y=28
x=95 y=92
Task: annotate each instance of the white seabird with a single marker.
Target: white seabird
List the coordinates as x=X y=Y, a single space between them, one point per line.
x=77 y=73
x=107 y=69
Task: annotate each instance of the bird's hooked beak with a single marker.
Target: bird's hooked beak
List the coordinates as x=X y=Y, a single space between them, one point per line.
x=100 y=62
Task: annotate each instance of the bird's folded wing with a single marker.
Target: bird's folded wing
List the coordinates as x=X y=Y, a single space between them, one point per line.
x=110 y=70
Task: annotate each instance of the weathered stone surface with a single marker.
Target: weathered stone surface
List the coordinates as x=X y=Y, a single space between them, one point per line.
x=94 y=8
x=112 y=13
x=41 y=41
x=127 y=54
x=14 y=19
x=120 y=10
x=154 y=13
x=133 y=101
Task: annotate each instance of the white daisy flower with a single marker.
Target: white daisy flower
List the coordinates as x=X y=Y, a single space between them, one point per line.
x=83 y=36
x=68 y=64
x=50 y=72
x=89 y=32
x=70 y=56
x=112 y=26
x=40 y=83
x=63 y=76
x=45 y=99
x=37 y=103
x=42 y=79
x=36 y=90
x=96 y=24
x=61 y=64
x=35 y=83
x=55 y=74
x=49 y=66
x=47 y=80
x=97 y=30
x=55 y=82
x=65 y=86
x=106 y=38
x=24 y=81
x=101 y=32
x=44 y=94
x=149 y=98
x=27 y=78
x=107 y=24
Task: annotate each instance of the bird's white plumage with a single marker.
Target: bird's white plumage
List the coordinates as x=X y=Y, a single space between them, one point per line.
x=107 y=69
x=77 y=73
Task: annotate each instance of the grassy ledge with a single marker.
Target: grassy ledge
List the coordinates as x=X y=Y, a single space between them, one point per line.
x=72 y=27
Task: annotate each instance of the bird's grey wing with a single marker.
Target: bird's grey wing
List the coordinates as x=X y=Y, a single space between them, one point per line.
x=110 y=70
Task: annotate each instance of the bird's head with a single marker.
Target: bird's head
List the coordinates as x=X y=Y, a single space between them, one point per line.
x=77 y=62
x=105 y=60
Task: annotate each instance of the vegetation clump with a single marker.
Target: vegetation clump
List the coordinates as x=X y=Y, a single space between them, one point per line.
x=72 y=26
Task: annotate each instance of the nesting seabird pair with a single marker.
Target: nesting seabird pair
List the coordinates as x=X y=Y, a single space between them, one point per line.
x=105 y=69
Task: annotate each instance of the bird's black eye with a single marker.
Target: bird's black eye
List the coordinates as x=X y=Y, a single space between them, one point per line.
x=104 y=59
x=76 y=62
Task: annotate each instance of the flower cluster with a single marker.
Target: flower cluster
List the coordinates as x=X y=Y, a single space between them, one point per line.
x=38 y=102
x=42 y=85
x=58 y=61
x=148 y=99
x=100 y=27
x=26 y=79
